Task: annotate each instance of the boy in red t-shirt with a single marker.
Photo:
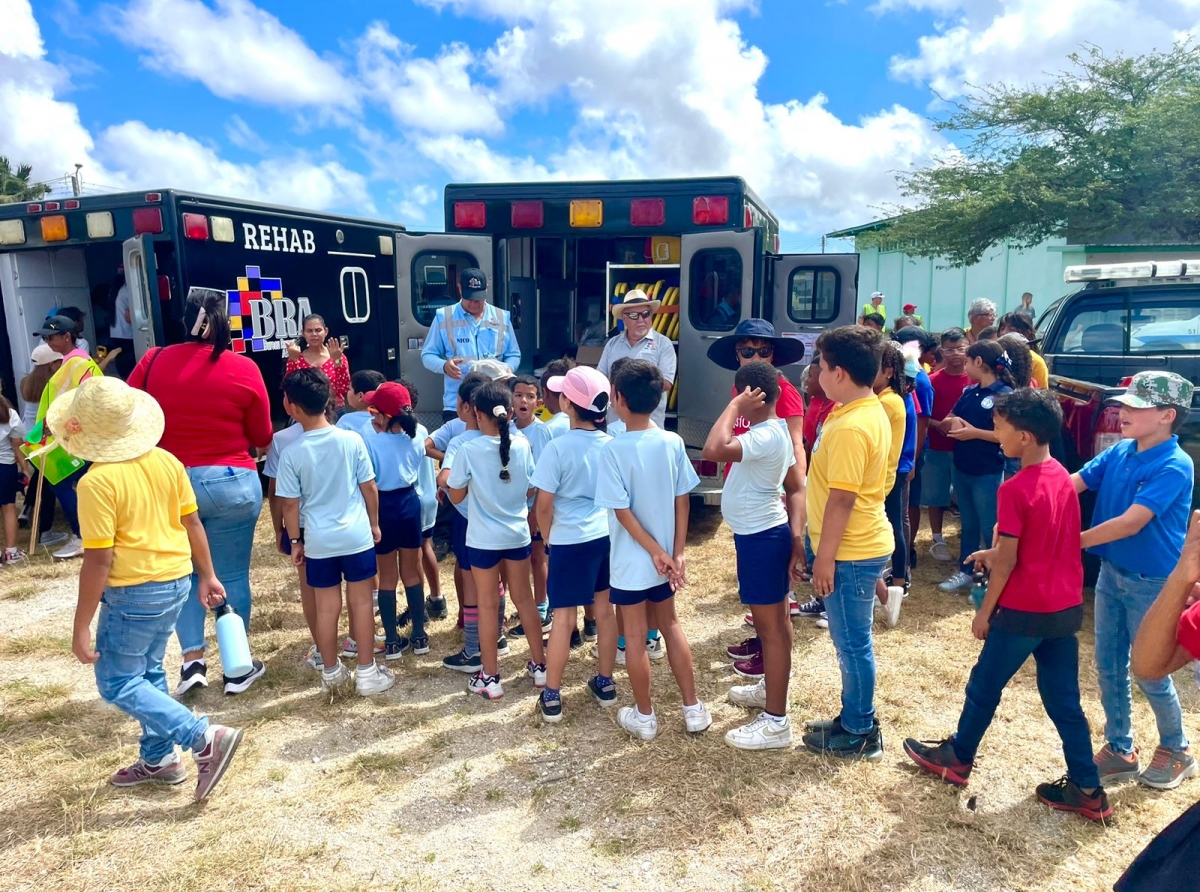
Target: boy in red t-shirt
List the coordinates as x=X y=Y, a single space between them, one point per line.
x=1033 y=607
x=948 y=384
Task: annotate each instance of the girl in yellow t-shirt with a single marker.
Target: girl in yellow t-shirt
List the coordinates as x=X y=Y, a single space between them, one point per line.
x=891 y=387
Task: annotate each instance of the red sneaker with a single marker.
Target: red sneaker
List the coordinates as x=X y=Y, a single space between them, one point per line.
x=1064 y=795
x=750 y=668
x=938 y=758
x=751 y=647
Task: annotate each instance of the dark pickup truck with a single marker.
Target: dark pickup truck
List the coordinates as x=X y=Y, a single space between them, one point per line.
x=1127 y=318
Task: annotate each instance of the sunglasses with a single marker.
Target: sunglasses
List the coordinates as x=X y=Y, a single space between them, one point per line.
x=751 y=352
x=642 y=314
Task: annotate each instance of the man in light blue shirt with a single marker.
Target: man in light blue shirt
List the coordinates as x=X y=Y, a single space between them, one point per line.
x=466 y=331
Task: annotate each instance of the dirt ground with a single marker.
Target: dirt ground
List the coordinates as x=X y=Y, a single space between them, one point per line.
x=426 y=787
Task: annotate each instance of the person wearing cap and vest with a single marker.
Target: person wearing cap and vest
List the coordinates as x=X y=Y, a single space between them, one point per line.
x=875 y=307
x=469 y=330
x=911 y=311
x=639 y=340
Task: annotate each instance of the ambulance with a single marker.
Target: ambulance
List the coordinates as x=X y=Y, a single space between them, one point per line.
x=559 y=254
x=275 y=264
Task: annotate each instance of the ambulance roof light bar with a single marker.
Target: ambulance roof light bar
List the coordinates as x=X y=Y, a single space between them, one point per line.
x=1145 y=269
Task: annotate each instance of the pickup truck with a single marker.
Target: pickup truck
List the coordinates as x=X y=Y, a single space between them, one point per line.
x=1127 y=318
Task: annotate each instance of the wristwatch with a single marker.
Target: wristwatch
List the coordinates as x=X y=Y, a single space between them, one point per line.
x=299 y=541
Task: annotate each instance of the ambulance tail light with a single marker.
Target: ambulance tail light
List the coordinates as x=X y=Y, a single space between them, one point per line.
x=528 y=214
x=647 y=212
x=153 y=196
x=748 y=220
x=470 y=215
x=54 y=229
x=710 y=210
x=195 y=226
x=705 y=468
x=53 y=206
x=12 y=232
x=164 y=289
x=147 y=220
x=587 y=213
x=1108 y=430
x=71 y=204
x=33 y=208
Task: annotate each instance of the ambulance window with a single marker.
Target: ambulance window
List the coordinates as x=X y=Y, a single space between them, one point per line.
x=715 y=292
x=435 y=281
x=813 y=295
x=356 y=294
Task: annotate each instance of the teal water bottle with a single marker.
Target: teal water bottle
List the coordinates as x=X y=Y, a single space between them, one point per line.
x=979 y=589
x=231 y=638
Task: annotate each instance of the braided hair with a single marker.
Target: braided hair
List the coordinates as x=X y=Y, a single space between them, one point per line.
x=996 y=358
x=1020 y=358
x=892 y=359
x=494 y=400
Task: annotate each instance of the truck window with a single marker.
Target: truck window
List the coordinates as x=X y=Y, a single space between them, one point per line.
x=356 y=294
x=715 y=292
x=813 y=295
x=1152 y=323
x=435 y=281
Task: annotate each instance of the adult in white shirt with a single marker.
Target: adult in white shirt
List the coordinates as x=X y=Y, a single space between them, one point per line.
x=639 y=340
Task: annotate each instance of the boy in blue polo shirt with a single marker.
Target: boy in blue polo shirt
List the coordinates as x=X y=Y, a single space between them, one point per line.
x=1143 y=487
x=645 y=478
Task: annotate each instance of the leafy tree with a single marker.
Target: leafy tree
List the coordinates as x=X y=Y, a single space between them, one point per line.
x=1109 y=148
x=15 y=184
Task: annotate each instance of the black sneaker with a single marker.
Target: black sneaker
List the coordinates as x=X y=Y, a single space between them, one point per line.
x=194 y=676
x=589 y=630
x=841 y=744
x=460 y=662
x=420 y=645
x=241 y=684
x=939 y=759
x=502 y=647
x=1064 y=795
x=550 y=704
x=517 y=631
x=603 y=690
x=576 y=639
x=435 y=608
x=811 y=609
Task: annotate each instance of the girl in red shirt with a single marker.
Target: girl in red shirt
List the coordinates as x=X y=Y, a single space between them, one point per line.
x=324 y=353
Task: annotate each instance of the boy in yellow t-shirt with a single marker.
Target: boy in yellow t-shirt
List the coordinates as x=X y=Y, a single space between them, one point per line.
x=851 y=536
x=141 y=535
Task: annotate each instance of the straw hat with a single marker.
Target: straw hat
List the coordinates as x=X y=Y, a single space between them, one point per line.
x=636 y=299
x=106 y=420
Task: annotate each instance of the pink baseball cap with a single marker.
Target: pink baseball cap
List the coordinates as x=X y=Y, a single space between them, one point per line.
x=584 y=386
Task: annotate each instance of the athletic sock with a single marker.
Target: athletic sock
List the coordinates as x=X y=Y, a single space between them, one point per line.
x=416 y=609
x=652 y=635
x=470 y=631
x=544 y=609
x=188 y=664
x=620 y=642
x=387 y=615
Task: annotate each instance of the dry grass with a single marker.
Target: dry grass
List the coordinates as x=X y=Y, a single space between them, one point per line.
x=424 y=787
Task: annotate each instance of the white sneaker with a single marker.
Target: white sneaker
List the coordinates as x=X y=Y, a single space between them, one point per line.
x=749 y=696
x=486 y=686
x=313 y=659
x=537 y=671
x=764 y=733
x=656 y=649
x=373 y=679
x=696 y=718
x=338 y=682
x=823 y=621
x=14 y=558
x=620 y=656
x=73 y=549
x=641 y=727
x=891 y=610
x=957 y=583
x=940 y=551
x=350 y=647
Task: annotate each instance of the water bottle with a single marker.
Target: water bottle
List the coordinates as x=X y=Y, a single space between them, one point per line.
x=979 y=589
x=231 y=638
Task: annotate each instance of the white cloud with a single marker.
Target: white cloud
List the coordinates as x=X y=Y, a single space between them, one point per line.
x=236 y=50
x=1023 y=41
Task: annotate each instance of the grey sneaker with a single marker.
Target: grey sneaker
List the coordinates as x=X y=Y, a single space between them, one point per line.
x=213 y=760
x=960 y=581
x=1168 y=769
x=141 y=772
x=52 y=537
x=1114 y=767
x=940 y=551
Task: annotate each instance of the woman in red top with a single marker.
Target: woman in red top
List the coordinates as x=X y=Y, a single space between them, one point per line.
x=215 y=406
x=324 y=353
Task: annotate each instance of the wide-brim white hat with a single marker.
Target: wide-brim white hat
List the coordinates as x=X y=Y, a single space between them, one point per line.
x=637 y=299
x=106 y=420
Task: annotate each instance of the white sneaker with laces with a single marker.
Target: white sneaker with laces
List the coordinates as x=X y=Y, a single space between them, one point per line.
x=696 y=718
x=764 y=733
x=940 y=551
x=337 y=682
x=891 y=610
x=537 y=671
x=641 y=727
x=486 y=686
x=313 y=659
x=656 y=649
x=73 y=549
x=957 y=582
x=823 y=621
x=373 y=679
x=749 y=696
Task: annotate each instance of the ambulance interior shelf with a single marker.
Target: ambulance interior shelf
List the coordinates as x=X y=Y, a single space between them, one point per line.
x=660 y=282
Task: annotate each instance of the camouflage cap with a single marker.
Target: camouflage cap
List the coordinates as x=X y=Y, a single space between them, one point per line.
x=1148 y=390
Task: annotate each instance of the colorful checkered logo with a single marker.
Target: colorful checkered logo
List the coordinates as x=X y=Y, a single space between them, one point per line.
x=252 y=289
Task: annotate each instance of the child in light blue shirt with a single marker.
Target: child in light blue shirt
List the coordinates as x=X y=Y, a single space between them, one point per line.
x=435 y=604
x=356 y=417
x=527 y=400
x=645 y=478
x=491 y=472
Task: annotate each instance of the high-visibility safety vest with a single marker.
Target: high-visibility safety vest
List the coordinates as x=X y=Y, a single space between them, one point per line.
x=493 y=318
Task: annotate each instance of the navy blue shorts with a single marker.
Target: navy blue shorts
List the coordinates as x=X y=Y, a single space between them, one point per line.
x=762 y=565
x=285 y=544
x=399 y=520
x=486 y=558
x=329 y=572
x=577 y=572
x=9 y=482
x=628 y=597
x=458 y=540
x=427 y=534
x=914 y=485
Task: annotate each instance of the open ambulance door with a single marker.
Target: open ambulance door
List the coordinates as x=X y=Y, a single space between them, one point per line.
x=808 y=294
x=428 y=265
x=141 y=277
x=716 y=281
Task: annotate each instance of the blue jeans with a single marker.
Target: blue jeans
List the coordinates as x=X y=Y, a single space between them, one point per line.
x=1058 y=683
x=851 y=610
x=229 y=500
x=1122 y=599
x=135 y=624
x=64 y=491
x=977 y=509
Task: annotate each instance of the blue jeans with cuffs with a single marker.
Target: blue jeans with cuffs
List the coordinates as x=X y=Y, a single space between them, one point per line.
x=851 y=610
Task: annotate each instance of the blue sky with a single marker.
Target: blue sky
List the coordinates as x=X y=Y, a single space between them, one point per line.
x=372 y=109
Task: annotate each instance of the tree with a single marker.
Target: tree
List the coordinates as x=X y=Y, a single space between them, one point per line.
x=1109 y=148
x=15 y=185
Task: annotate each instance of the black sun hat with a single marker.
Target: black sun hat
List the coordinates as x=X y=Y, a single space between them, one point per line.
x=724 y=351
